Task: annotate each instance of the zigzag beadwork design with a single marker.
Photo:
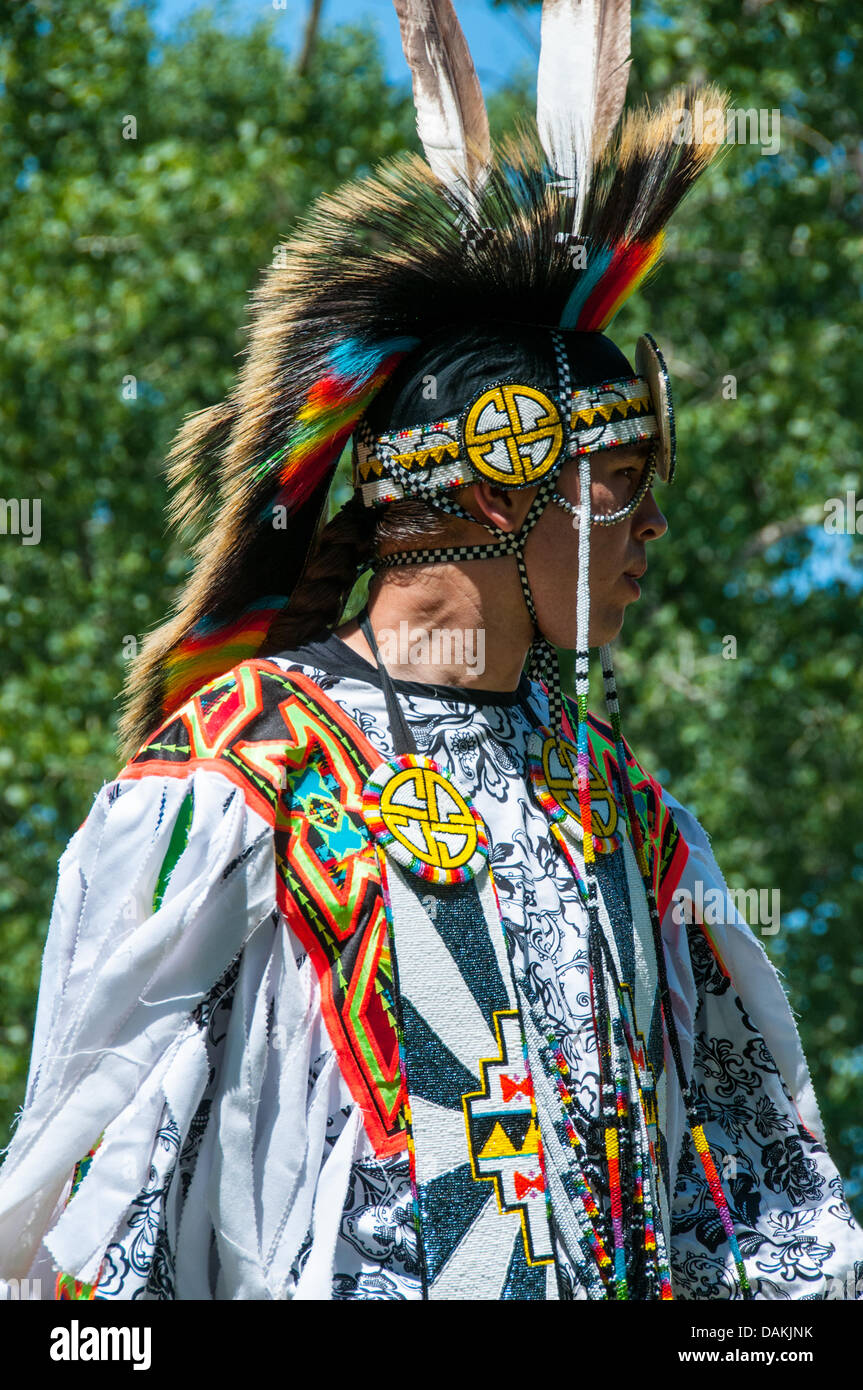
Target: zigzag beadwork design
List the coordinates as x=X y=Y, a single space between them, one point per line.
x=619 y=412
x=503 y=1136
x=426 y=458
x=631 y=392
x=405 y=451
x=611 y=410
x=368 y=467
x=302 y=765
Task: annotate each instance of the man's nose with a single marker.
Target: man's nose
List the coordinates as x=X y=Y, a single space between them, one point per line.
x=649 y=522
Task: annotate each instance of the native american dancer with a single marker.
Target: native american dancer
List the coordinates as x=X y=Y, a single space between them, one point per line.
x=380 y=970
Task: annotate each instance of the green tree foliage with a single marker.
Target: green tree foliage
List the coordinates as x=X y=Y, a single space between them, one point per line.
x=759 y=309
x=124 y=267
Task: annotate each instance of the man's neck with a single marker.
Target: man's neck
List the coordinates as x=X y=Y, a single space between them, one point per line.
x=443 y=625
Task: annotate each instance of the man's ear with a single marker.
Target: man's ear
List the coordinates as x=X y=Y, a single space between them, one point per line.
x=499 y=506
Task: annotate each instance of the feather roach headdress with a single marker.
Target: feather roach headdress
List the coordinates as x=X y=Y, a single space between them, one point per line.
x=553 y=229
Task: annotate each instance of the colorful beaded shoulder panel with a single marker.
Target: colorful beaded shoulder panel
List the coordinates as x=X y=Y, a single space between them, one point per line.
x=301 y=763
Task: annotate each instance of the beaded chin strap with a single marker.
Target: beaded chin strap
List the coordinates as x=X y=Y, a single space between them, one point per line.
x=543 y=658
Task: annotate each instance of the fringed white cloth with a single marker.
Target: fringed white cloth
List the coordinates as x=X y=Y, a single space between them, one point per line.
x=120 y=1052
x=180 y=1020
x=753 y=973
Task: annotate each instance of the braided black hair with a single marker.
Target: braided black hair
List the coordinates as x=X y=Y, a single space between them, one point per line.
x=344 y=547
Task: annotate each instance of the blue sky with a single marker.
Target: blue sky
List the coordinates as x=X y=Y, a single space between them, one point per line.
x=832 y=558
x=501 y=42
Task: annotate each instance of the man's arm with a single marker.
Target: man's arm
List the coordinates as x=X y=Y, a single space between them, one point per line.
x=797 y=1236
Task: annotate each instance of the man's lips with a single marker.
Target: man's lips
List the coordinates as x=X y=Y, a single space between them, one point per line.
x=632 y=577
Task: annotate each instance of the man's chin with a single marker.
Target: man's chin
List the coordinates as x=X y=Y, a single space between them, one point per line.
x=600 y=634
x=605 y=631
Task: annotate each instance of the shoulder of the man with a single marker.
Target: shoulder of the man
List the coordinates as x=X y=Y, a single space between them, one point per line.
x=259 y=725
x=303 y=764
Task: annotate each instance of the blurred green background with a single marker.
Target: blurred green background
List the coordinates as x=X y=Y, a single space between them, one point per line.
x=125 y=266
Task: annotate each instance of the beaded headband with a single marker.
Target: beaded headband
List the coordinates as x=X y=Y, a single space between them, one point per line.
x=515 y=434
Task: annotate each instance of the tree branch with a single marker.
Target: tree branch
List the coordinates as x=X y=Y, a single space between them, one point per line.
x=778 y=530
x=310 y=36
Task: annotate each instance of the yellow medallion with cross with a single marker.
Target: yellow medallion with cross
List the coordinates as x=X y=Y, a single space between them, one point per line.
x=417 y=813
x=560 y=772
x=513 y=434
x=428 y=815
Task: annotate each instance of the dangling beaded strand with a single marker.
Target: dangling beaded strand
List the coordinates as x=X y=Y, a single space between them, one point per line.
x=614 y=1115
